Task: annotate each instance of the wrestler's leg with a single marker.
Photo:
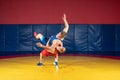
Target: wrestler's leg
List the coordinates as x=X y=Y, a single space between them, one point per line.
x=56 y=60
x=40 y=62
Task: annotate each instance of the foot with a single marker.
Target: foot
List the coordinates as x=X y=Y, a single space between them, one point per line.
x=56 y=63
x=40 y=64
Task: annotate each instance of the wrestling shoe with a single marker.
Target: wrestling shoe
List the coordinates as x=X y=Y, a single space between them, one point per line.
x=40 y=64
x=55 y=63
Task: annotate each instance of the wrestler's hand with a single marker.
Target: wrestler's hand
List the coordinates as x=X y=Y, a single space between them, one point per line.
x=64 y=17
x=39 y=44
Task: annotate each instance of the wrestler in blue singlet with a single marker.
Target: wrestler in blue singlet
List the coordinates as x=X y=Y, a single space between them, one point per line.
x=53 y=38
x=44 y=40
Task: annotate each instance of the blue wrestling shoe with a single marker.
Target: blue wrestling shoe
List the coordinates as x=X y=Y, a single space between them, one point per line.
x=40 y=64
x=56 y=63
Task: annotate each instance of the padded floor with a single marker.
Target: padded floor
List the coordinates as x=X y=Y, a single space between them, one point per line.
x=70 y=68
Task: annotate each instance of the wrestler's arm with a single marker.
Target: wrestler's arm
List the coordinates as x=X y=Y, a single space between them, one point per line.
x=43 y=46
x=65 y=30
x=66 y=24
x=51 y=48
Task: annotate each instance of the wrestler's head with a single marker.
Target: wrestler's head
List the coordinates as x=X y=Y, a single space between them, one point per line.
x=61 y=34
x=61 y=49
